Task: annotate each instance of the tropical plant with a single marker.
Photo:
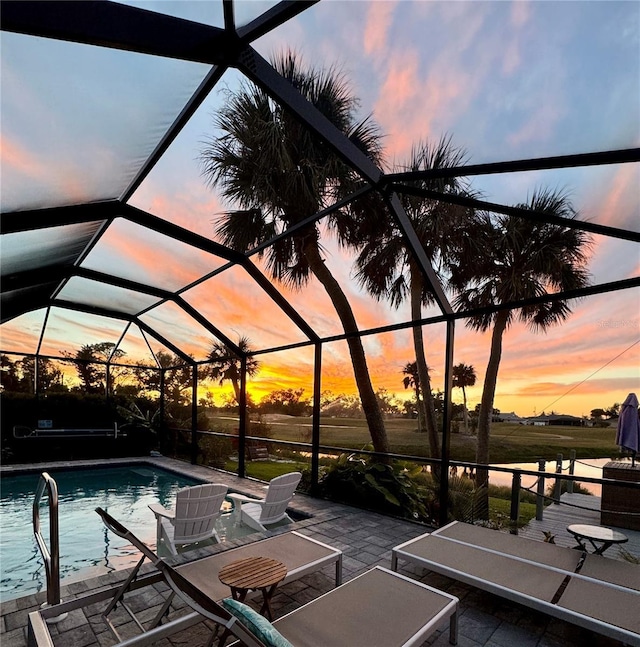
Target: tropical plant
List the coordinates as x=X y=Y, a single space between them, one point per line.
x=225 y=366
x=136 y=418
x=388 y=269
x=369 y=484
x=463 y=376
x=517 y=259
x=279 y=174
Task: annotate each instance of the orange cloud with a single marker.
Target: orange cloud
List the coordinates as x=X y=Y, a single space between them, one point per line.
x=595 y=387
x=417 y=100
x=234 y=303
x=149 y=257
x=15 y=156
x=193 y=205
x=67 y=331
x=15 y=339
x=412 y=108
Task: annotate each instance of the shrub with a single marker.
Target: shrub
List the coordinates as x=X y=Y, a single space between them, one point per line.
x=214 y=451
x=376 y=486
x=577 y=488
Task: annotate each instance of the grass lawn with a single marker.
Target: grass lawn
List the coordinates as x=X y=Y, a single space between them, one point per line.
x=501 y=509
x=509 y=443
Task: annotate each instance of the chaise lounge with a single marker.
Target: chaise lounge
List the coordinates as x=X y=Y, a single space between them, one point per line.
x=591 y=591
x=376 y=609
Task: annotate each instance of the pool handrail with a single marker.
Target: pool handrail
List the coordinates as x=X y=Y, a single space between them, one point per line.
x=50 y=556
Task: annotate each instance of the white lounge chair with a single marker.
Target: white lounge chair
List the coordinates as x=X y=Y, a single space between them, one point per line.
x=260 y=513
x=193 y=519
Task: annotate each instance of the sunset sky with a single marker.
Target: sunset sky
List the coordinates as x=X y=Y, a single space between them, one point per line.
x=507 y=81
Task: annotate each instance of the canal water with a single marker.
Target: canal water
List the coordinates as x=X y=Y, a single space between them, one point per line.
x=590 y=467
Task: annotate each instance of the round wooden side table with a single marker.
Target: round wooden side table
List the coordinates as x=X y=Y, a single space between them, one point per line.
x=254 y=574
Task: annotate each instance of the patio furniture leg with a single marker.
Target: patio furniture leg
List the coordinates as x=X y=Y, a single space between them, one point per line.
x=453 y=628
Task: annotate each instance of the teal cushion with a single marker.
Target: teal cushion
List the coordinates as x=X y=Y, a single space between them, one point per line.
x=256 y=623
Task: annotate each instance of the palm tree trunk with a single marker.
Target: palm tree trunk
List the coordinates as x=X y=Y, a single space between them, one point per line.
x=465 y=412
x=486 y=404
x=421 y=363
x=236 y=390
x=361 y=371
x=420 y=408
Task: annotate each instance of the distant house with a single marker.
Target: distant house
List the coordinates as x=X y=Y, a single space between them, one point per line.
x=507 y=417
x=559 y=419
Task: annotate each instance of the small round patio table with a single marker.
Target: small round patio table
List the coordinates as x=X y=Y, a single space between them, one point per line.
x=599 y=537
x=254 y=574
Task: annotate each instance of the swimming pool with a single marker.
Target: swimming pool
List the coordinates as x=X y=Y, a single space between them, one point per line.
x=86 y=547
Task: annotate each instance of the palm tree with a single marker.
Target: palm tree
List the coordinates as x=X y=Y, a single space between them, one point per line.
x=280 y=173
x=225 y=366
x=463 y=376
x=514 y=259
x=388 y=270
x=412 y=379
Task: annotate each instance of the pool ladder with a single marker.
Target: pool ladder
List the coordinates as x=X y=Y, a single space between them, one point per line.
x=51 y=557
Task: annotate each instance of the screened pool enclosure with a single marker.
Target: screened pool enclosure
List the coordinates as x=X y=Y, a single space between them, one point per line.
x=111 y=226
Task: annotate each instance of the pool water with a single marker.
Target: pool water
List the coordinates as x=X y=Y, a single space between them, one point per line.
x=87 y=548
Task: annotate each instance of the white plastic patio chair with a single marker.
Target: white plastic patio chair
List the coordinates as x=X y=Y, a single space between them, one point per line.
x=260 y=513
x=193 y=519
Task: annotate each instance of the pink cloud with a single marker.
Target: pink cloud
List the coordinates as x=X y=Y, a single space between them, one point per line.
x=520 y=13
x=540 y=126
x=17 y=340
x=378 y=22
x=149 y=257
x=411 y=107
x=519 y=17
x=512 y=58
x=422 y=98
x=615 y=203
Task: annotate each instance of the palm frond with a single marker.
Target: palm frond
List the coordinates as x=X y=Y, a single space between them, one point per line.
x=244 y=229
